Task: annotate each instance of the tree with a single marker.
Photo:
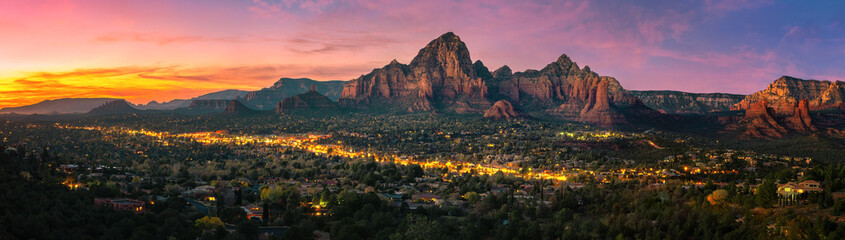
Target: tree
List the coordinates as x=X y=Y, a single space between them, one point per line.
x=472 y=197
x=767 y=193
x=249 y=229
x=717 y=197
x=418 y=228
x=208 y=223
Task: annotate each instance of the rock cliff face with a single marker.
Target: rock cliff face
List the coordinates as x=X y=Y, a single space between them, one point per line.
x=675 y=102
x=268 y=98
x=569 y=91
x=502 y=110
x=784 y=107
x=440 y=76
x=312 y=100
x=763 y=121
x=784 y=92
x=597 y=108
x=443 y=77
x=237 y=107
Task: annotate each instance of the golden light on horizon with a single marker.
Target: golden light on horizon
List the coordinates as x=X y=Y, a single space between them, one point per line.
x=135 y=84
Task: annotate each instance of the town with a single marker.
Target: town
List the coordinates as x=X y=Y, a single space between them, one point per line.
x=310 y=183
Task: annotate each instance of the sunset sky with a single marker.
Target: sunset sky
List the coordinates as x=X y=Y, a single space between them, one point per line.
x=160 y=50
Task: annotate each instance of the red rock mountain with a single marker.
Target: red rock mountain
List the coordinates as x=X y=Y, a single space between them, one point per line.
x=442 y=76
x=311 y=100
x=763 y=121
x=564 y=89
x=784 y=107
x=784 y=92
x=502 y=110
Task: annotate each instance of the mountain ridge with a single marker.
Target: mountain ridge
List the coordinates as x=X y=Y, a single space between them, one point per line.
x=678 y=102
x=443 y=77
x=269 y=97
x=60 y=106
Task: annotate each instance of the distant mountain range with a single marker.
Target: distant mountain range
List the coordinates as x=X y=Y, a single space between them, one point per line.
x=183 y=103
x=264 y=99
x=60 y=106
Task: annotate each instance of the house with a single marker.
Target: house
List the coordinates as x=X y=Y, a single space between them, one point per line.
x=253 y=211
x=392 y=197
x=810 y=185
x=120 y=204
x=427 y=198
x=788 y=190
x=791 y=190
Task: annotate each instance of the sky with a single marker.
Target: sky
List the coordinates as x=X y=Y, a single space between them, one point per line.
x=161 y=50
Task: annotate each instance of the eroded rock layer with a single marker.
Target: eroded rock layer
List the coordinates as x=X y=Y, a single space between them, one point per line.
x=675 y=102
x=502 y=109
x=443 y=77
x=784 y=92
x=440 y=76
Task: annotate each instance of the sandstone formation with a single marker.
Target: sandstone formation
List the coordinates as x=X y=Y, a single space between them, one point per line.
x=675 y=102
x=784 y=92
x=573 y=93
x=788 y=102
x=440 y=76
x=763 y=121
x=443 y=77
x=502 y=110
x=311 y=100
x=598 y=107
x=268 y=98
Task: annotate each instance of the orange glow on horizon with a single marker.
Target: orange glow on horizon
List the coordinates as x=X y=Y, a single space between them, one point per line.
x=138 y=85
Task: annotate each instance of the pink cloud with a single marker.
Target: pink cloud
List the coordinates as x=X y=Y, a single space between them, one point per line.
x=734 y=5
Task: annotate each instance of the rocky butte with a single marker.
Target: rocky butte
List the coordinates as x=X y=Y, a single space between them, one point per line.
x=114 y=107
x=783 y=93
x=784 y=107
x=762 y=121
x=311 y=100
x=503 y=109
x=443 y=77
x=237 y=107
